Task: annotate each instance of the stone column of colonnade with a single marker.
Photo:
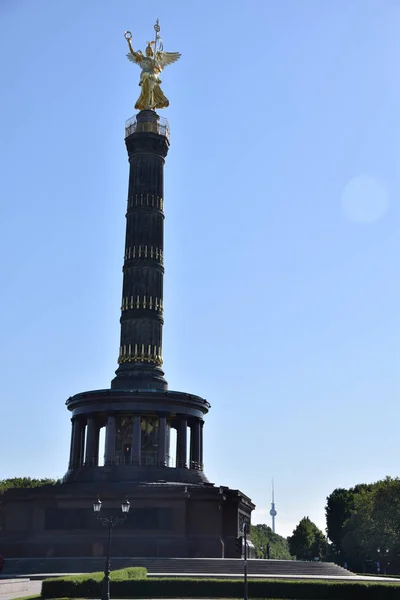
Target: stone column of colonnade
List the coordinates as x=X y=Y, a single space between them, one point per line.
x=136 y=448
x=109 y=447
x=181 y=443
x=162 y=441
x=77 y=443
x=85 y=442
x=92 y=443
x=196 y=444
x=73 y=445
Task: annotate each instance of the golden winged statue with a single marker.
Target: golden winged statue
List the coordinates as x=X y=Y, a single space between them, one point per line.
x=151 y=63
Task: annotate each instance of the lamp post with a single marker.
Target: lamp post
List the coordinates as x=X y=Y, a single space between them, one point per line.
x=382 y=555
x=110 y=522
x=246 y=589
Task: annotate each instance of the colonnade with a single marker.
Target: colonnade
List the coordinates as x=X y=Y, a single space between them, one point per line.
x=86 y=432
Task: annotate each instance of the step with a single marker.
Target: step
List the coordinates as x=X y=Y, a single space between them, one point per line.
x=175 y=565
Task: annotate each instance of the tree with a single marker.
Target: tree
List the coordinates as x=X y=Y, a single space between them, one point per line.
x=307 y=541
x=262 y=535
x=24 y=482
x=364 y=525
x=339 y=508
x=320 y=548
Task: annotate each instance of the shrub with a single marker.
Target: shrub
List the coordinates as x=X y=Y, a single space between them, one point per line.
x=87 y=585
x=139 y=587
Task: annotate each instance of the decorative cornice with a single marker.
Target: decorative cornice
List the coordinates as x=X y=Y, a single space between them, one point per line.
x=132 y=353
x=141 y=251
x=146 y=200
x=142 y=303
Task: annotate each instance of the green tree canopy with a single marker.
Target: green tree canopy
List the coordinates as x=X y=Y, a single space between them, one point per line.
x=24 y=482
x=364 y=524
x=308 y=542
x=339 y=508
x=262 y=535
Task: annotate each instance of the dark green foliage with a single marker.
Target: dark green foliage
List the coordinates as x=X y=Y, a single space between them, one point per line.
x=320 y=546
x=262 y=535
x=308 y=542
x=25 y=482
x=362 y=520
x=338 y=509
x=222 y=588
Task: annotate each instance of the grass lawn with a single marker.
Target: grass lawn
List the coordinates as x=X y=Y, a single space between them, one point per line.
x=30 y=598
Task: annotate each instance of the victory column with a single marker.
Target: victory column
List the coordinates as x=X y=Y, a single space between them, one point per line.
x=174 y=510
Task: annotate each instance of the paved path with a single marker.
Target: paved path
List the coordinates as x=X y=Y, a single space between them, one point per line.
x=33 y=589
x=239 y=576
x=277 y=576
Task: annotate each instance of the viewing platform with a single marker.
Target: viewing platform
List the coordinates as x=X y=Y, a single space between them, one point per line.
x=154 y=124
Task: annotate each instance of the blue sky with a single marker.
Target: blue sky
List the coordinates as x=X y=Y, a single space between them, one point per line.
x=282 y=219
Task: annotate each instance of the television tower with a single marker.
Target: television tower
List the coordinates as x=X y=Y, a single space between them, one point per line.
x=273 y=512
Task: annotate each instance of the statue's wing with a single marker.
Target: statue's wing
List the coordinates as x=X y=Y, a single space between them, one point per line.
x=137 y=57
x=163 y=59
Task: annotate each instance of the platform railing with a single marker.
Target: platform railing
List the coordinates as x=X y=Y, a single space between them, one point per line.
x=160 y=126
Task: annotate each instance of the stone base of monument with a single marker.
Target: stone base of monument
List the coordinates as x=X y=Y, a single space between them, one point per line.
x=170 y=519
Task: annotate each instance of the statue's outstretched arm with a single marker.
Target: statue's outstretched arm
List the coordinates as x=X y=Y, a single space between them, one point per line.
x=131 y=48
x=133 y=56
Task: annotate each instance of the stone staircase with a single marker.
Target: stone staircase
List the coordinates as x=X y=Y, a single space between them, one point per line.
x=178 y=566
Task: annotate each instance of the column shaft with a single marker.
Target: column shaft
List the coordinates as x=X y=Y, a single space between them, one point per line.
x=79 y=443
x=90 y=458
x=201 y=446
x=195 y=445
x=142 y=296
x=136 y=448
x=96 y=445
x=162 y=441
x=191 y=446
x=181 y=443
x=73 y=450
x=109 y=451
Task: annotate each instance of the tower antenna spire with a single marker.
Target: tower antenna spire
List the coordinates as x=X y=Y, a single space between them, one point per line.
x=273 y=512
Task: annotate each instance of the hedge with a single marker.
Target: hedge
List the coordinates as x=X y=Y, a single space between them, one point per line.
x=88 y=585
x=121 y=574
x=74 y=587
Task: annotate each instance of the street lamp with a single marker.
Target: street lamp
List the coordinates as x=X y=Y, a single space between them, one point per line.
x=246 y=589
x=110 y=521
x=381 y=556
